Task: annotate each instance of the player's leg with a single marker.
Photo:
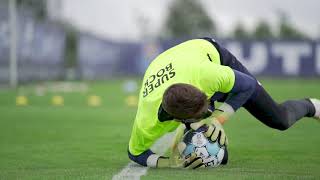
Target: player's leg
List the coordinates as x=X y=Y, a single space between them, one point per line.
x=261 y=105
x=278 y=116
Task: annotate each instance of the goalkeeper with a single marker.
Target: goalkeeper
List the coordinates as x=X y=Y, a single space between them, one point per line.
x=180 y=87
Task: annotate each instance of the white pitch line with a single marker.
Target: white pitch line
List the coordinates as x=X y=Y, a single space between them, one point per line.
x=133 y=171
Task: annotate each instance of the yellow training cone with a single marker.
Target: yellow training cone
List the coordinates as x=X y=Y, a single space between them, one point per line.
x=132 y=101
x=57 y=101
x=21 y=101
x=94 y=101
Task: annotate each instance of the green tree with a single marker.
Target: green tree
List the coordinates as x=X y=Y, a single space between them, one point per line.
x=71 y=52
x=240 y=32
x=262 y=31
x=188 y=18
x=71 y=46
x=287 y=30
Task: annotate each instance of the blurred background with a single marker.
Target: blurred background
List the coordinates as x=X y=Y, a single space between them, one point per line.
x=67 y=40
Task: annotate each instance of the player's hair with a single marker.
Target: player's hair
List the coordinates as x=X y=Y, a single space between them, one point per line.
x=184 y=101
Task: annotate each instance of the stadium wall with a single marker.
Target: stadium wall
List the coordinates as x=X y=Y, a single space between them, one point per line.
x=40 y=47
x=41 y=53
x=264 y=58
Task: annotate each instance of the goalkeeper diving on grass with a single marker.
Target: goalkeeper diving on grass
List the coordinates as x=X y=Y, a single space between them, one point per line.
x=179 y=91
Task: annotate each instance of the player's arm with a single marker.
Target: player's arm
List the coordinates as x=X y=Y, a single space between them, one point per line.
x=243 y=88
x=147 y=158
x=150 y=159
x=245 y=82
x=218 y=78
x=238 y=85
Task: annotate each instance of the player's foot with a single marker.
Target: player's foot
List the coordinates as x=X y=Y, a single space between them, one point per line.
x=316 y=104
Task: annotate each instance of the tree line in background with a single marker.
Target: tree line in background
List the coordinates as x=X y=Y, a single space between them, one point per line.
x=188 y=18
x=263 y=30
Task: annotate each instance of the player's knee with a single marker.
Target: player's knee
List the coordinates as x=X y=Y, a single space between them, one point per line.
x=278 y=121
x=282 y=118
x=282 y=125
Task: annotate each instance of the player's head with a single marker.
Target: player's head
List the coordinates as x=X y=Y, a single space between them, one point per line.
x=184 y=101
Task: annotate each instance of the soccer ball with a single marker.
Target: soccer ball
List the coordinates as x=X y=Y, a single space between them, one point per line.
x=211 y=153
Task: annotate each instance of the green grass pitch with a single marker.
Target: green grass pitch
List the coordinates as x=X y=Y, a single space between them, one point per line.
x=80 y=142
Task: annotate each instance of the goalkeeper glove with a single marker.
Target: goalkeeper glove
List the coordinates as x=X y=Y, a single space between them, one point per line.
x=213 y=123
x=214 y=130
x=175 y=161
x=189 y=162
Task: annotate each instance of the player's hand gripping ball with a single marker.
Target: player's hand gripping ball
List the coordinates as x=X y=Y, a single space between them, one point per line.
x=195 y=142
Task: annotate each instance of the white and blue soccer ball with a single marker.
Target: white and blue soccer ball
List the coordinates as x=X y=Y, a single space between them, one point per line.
x=211 y=153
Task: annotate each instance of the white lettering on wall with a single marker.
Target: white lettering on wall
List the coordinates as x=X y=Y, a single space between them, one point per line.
x=256 y=62
x=291 y=53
